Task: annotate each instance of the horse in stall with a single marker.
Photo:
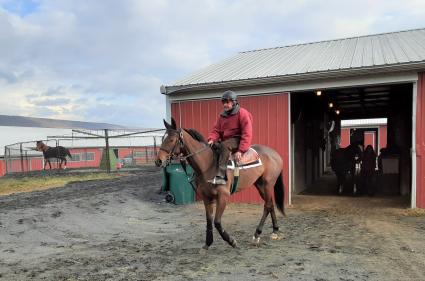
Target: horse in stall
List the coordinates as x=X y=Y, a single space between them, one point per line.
x=267 y=178
x=346 y=160
x=58 y=152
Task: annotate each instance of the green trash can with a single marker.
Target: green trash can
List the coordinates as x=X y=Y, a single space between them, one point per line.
x=175 y=182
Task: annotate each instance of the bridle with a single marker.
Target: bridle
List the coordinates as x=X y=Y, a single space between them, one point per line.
x=179 y=142
x=171 y=153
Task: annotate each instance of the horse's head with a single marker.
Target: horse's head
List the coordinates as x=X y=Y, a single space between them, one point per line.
x=358 y=152
x=171 y=144
x=40 y=146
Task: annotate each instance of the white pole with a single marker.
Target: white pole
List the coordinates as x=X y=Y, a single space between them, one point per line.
x=167 y=108
x=289 y=152
x=413 y=152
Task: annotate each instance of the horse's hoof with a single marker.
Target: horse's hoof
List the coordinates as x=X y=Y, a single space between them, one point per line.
x=234 y=244
x=275 y=236
x=203 y=250
x=256 y=241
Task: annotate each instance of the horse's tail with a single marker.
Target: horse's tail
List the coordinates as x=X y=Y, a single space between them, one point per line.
x=68 y=153
x=279 y=194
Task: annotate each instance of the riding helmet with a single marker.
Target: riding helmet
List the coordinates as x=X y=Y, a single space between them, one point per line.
x=229 y=95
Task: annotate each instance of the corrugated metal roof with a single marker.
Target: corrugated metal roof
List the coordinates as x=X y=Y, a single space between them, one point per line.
x=364 y=122
x=372 y=51
x=21 y=121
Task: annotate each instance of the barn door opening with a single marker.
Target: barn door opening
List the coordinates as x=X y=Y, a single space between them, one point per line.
x=312 y=115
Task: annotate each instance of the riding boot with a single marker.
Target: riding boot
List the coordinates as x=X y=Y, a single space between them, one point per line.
x=223 y=156
x=222 y=163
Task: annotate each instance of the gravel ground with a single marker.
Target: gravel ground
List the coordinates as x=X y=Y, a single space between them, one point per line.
x=121 y=229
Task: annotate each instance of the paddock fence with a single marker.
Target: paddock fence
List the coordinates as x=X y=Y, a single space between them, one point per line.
x=90 y=149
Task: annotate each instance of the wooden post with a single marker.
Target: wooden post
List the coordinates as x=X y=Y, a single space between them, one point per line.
x=22 y=157
x=57 y=155
x=108 y=159
x=6 y=158
x=27 y=162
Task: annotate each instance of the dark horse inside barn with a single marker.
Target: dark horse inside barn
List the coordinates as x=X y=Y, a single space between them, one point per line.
x=58 y=152
x=345 y=161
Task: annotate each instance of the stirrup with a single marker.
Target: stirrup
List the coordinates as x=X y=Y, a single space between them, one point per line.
x=217 y=181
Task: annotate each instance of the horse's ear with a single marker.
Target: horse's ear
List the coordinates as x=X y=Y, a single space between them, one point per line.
x=167 y=125
x=170 y=126
x=173 y=123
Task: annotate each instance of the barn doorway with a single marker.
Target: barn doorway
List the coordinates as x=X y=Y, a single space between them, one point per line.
x=311 y=116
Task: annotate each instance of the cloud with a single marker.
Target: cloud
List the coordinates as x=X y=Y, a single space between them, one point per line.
x=50 y=102
x=7 y=76
x=105 y=61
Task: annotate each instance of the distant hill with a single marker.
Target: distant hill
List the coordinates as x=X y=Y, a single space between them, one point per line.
x=21 y=121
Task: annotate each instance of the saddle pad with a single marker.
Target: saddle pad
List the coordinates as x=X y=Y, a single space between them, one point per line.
x=250 y=159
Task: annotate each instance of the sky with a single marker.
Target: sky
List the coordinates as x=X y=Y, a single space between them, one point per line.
x=104 y=60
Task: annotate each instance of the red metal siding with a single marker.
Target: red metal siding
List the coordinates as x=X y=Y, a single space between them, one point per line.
x=382 y=137
x=420 y=142
x=125 y=152
x=2 y=168
x=369 y=139
x=37 y=163
x=345 y=137
x=270 y=114
x=85 y=163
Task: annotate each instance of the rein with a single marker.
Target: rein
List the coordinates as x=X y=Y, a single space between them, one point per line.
x=194 y=153
x=180 y=142
x=190 y=178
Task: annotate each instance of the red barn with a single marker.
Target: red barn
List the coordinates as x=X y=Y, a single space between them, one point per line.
x=295 y=91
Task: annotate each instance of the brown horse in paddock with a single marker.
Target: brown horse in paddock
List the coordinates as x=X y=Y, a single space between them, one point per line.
x=267 y=178
x=58 y=152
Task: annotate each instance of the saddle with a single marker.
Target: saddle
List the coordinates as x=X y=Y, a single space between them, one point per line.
x=250 y=159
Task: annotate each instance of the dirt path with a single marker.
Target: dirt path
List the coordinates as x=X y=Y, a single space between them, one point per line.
x=121 y=229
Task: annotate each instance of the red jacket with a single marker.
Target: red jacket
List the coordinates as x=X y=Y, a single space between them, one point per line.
x=236 y=125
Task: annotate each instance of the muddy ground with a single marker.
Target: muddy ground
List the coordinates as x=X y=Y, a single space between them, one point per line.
x=121 y=229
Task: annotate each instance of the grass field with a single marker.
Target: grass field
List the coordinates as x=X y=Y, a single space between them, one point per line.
x=28 y=184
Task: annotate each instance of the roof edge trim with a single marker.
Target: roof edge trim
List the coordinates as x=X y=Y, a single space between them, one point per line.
x=172 y=90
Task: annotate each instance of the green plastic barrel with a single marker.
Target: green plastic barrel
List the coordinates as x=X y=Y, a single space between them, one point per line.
x=176 y=183
x=112 y=160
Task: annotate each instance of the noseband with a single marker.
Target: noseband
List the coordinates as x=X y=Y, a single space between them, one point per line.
x=180 y=143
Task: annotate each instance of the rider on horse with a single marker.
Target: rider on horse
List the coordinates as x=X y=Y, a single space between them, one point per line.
x=234 y=129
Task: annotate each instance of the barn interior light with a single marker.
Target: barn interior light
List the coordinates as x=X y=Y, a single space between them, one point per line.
x=337 y=112
x=318 y=93
x=331 y=105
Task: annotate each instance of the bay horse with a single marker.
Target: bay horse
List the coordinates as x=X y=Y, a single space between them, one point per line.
x=58 y=152
x=267 y=178
x=344 y=161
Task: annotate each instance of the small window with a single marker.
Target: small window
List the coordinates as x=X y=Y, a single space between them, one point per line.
x=76 y=157
x=83 y=156
x=88 y=156
x=139 y=154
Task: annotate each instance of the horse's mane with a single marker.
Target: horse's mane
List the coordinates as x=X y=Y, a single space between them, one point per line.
x=196 y=135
